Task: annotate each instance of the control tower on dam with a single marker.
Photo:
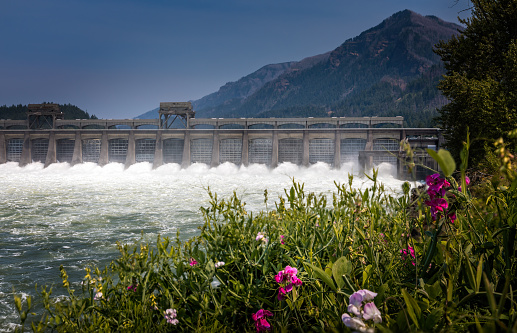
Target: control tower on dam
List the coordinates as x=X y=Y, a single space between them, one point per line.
x=178 y=137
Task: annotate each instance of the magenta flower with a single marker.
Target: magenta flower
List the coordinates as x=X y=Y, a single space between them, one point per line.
x=132 y=287
x=282 y=239
x=287 y=279
x=261 y=321
x=438 y=205
x=436 y=185
x=467 y=181
x=410 y=251
x=192 y=262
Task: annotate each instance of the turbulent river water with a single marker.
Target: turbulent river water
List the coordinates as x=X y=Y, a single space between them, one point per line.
x=73 y=216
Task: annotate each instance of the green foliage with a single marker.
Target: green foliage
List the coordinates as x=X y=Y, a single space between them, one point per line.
x=461 y=278
x=481 y=79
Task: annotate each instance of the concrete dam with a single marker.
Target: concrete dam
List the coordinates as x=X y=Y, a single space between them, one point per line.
x=46 y=137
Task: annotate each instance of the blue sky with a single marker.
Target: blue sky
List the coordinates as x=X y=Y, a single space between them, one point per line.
x=121 y=58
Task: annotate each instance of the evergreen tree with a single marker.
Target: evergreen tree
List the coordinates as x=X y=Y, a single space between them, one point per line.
x=481 y=78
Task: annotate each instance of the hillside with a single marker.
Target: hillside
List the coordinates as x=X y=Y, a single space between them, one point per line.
x=390 y=69
x=19 y=112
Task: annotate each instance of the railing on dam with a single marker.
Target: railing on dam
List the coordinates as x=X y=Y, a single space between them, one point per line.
x=270 y=141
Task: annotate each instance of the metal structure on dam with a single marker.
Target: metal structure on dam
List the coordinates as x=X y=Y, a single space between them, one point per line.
x=48 y=138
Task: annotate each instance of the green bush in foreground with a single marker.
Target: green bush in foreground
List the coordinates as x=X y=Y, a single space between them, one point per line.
x=428 y=260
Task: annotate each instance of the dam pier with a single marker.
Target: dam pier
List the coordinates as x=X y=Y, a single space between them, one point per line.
x=178 y=137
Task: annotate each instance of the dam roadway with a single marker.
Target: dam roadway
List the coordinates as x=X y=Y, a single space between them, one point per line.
x=242 y=141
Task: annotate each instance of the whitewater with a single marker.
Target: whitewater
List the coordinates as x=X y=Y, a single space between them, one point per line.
x=74 y=216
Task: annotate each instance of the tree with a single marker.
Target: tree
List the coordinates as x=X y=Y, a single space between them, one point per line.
x=481 y=78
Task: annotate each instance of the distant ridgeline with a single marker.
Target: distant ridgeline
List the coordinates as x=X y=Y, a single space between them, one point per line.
x=388 y=70
x=19 y=112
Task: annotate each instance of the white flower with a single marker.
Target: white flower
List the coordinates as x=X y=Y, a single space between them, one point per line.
x=353 y=322
x=98 y=296
x=371 y=312
x=219 y=264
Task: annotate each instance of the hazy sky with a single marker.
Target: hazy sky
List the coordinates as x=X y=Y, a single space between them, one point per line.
x=121 y=58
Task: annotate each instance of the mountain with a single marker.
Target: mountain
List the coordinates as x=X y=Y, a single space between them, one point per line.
x=388 y=70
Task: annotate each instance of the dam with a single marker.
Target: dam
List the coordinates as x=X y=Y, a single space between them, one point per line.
x=178 y=137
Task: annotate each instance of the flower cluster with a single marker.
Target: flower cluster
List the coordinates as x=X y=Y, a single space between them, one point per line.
x=219 y=264
x=437 y=187
x=192 y=262
x=170 y=316
x=363 y=310
x=287 y=279
x=261 y=321
x=410 y=251
x=282 y=239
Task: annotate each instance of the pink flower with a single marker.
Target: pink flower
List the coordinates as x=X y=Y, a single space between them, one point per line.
x=467 y=181
x=260 y=320
x=438 y=205
x=409 y=252
x=132 y=287
x=192 y=262
x=282 y=239
x=436 y=185
x=287 y=279
x=170 y=316
x=281 y=294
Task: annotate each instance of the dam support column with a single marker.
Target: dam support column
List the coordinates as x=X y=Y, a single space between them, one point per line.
x=244 y=154
x=305 y=159
x=131 y=154
x=77 y=157
x=51 y=151
x=215 y=150
x=337 y=150
x=158 y=151
x=369 y=147
x=104 y=154
x=25 y=157
x=274 y=150
x=3 y=149
x=186 y=150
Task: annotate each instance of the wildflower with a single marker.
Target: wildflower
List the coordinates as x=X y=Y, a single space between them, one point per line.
x=287 y=279
x=410 y=251
x=467 y=182
x=436 y=185
x=132 y=287
x=261 y=321
x=219 y=264
x=170 y=316
x=282 y=239
x=98 y=296
x=371 y=312
x=363 y=311
x=353 y=322
x=192 y=262
x=261 y=236
x=438 y=205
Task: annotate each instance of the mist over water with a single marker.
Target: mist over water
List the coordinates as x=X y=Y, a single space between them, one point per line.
x=73 y=216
